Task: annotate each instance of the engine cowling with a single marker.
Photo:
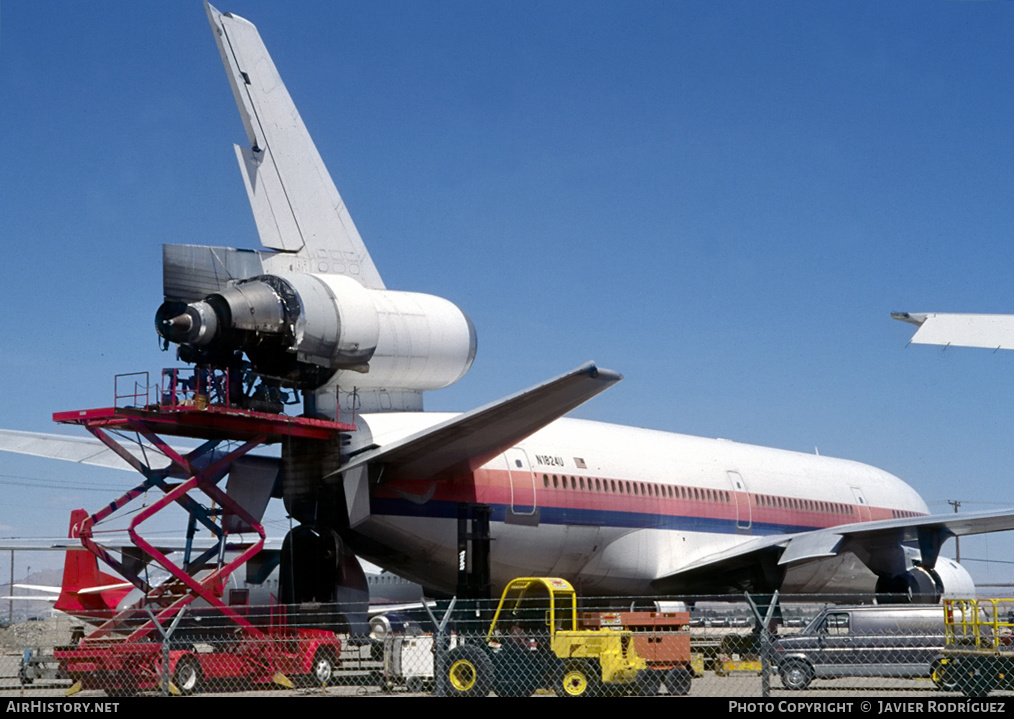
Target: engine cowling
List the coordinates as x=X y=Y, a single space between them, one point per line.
x=923 y=585
x=307 y=329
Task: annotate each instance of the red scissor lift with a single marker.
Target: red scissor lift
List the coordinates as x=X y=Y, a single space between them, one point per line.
x=125 y=654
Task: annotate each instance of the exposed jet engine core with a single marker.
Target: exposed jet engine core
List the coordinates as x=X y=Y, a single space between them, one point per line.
x=306 y=330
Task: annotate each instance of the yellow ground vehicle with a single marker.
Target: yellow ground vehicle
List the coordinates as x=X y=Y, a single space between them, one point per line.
x=979 y=654
x=534 y=641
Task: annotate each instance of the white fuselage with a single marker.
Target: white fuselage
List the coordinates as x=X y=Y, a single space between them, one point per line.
x=613 y=508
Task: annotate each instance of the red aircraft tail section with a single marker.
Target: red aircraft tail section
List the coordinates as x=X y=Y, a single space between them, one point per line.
x=81 y=574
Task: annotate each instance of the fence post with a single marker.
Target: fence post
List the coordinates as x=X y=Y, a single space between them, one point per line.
x=440 y=642
x=166 y=643
x=764 y=637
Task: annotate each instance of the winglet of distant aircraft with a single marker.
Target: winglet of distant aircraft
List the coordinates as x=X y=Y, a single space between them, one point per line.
x=961 y=330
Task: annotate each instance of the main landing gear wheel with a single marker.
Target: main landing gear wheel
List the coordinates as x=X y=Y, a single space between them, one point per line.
x=469 y=672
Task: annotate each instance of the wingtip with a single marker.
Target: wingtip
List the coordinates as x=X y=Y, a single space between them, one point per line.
x=910 y=317
x=595 y=372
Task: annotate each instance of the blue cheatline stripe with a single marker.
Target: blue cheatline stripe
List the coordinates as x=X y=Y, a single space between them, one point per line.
x=589 y=517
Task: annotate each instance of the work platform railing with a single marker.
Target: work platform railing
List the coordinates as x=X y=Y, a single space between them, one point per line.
x=193 y=387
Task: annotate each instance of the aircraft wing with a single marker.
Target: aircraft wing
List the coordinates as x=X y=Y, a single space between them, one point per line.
x=471 y=439
x=961 y=330
x=75 y=449
x=167 y=545
x=867 y=540
x=295 y=202
x=251 y=479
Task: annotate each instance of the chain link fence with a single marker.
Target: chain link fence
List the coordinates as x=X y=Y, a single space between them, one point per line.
x=631 y=646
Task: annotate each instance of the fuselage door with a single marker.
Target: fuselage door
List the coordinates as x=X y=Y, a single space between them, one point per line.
x=523 y=500
x=741 y=500
x=862 y=505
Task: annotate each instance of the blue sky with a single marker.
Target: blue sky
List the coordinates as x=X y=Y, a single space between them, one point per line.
x=721 y=200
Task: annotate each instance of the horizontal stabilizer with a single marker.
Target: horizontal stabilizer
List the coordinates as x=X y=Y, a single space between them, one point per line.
x=471 y=439
x=961 y=330
x=39 y=588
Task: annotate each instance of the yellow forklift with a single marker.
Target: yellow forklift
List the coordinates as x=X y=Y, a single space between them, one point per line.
x=535 y=642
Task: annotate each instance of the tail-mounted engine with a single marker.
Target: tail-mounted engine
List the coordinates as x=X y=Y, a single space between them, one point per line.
x=306 y=330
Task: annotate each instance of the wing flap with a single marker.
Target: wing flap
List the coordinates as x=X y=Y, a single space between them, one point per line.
x=473 y=438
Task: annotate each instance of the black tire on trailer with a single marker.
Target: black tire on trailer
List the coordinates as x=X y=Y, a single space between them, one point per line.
x=939 y=675
x=325 y=667
x=187 y=676
x=648 y=682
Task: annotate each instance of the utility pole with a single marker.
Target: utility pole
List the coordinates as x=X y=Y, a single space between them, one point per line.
x=957 y=546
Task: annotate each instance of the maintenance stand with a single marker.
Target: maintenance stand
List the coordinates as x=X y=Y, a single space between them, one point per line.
x=125 y=654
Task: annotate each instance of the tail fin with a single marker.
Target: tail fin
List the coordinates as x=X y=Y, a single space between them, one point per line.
x=295 y=203
x=81 y=574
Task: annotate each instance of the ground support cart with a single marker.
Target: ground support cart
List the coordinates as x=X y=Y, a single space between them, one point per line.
x=979 y=654
x=662 y=639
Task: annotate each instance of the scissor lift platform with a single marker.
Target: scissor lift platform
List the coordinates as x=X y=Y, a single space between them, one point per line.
x=213 y=422
x=121 y=654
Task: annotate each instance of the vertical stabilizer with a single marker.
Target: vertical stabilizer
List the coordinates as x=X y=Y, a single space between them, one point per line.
x=85 y=591
x=295 y=203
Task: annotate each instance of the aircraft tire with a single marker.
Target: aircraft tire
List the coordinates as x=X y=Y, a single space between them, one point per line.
x=469 y=672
